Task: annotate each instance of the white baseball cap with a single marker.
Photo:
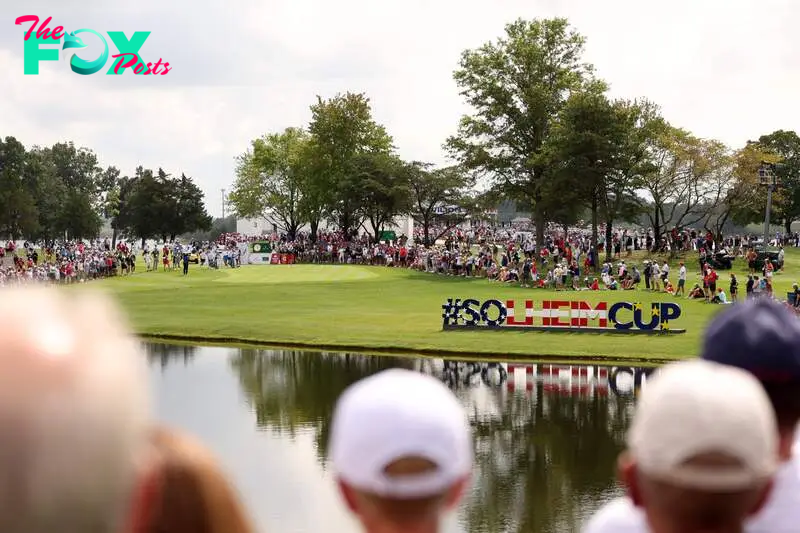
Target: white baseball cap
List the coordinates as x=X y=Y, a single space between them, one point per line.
x=698 y=407
x=393 y=415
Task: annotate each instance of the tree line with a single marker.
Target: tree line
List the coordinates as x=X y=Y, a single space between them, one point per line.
x=61 y=191
x=543 y=131
x=343 y=168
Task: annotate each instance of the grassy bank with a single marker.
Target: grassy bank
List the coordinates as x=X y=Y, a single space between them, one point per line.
x=380 y=309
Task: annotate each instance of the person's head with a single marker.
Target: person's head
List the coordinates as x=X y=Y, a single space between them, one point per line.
x=401 y=449
x=762 y=337
x=719 y=290
x=702 y=449
x=190 y=492
x=73 y=413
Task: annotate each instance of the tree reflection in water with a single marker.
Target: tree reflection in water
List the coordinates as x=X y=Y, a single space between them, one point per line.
x=544 y=457
x=164 y=354
x=293 y=391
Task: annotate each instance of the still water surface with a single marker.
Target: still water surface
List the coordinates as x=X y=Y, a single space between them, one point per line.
x=546 y=437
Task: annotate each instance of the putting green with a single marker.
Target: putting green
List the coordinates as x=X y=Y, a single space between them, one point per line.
x=296 y=274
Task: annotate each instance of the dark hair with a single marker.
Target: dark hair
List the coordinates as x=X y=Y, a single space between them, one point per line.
x=786 y=403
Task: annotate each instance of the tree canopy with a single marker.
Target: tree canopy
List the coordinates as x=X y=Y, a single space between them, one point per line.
x=61 y=191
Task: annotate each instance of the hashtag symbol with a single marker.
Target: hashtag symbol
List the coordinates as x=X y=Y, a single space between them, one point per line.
x=451 y=311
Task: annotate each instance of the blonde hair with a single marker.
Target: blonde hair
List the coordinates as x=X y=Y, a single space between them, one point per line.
x=73 y=412
x=192 y=493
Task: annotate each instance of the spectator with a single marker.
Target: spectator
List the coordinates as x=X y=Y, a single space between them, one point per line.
x=762 y=337
x=702 y=452
x=193 y=495
x=720 y=297
x=73 y=431
x=401 y=460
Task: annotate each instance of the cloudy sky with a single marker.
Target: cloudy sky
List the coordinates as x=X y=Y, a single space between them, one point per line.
x=720 y=68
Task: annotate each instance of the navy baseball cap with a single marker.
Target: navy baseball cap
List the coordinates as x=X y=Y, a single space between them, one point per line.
x=760 y=336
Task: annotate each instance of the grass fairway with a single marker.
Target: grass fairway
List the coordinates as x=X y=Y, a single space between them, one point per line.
x=384 y=309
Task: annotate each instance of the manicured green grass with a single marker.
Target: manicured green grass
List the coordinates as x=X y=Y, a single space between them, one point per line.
x=385 y=309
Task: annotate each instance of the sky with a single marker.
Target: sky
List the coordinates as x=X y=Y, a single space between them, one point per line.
x=723 y=69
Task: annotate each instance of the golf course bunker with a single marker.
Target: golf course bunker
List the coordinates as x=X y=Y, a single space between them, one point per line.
x=297 y=274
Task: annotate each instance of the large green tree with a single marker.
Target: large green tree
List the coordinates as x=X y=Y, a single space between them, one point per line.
x=517 y=86
x=440 y=198
x=343 y=129
x=383 y=180
x=588 y=147
x=270 y=180
x=681 y=182
x=18 y=211
x=189 y=206
x=158 y=205
x=786 y=146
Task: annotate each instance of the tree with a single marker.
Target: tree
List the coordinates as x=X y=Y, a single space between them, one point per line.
x=680 y=181
x=157 y=205
x=588 y=146
x=750 y=199
x=440 y=198
x=48 y=192
x=146 y=205
x=316 y=196
x=383 y=181
x=188 y=204
x=269 y=180
x=343 y=129
x=785 y=145
x=18 y=213
x=517 y=87
x=119 y=205
x=735 y=186
x=642 y=123
x=79 y=218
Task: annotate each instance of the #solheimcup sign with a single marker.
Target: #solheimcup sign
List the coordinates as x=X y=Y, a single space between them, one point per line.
x=574 y=316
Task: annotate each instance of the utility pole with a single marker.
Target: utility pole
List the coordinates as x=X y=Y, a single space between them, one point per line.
x=223 y=203
x=766 y=177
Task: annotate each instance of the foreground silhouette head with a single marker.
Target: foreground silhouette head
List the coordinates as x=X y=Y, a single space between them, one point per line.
x=702 y=449
x=73 y=413
x=401 y=448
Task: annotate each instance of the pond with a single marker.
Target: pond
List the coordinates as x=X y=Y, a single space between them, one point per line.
x=546 y=437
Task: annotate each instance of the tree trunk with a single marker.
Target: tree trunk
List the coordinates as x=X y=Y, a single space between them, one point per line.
x=609 y=226
x=656 y=230
x=787 y=225
x=594 y=224
x=113 y=237
x=143 y=242
x=314 y=224
x=426 y=233
x=539 y=221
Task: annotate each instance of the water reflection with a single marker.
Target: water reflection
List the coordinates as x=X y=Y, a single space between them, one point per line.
x=291 y=390
x=546 y=437
x=164 y=354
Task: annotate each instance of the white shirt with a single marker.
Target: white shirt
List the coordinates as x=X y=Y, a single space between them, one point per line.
x=780 y=515
x=682 y=273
